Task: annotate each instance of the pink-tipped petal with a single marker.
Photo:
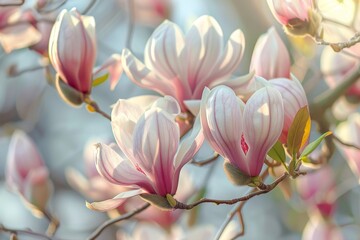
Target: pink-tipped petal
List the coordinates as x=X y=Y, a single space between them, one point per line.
x=142 y=76
x=113 y=203
x=223 y=113
x=156 y=139
x=168 y=104
x=119 y=171
x=204 y=43
x=163 y=49
x=270 y=58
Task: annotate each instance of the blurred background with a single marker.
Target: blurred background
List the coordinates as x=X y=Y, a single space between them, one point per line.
x=62 y=132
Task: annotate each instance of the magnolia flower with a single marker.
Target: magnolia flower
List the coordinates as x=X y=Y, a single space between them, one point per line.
x=349 y=132
x=150 y=141
x=242 y=134
x=72 y=49
x=320 y=229
x=270 y=58
x=27 y=174
x=298 y=16
x=294 y=98
x=181 y=66
x=318 y=194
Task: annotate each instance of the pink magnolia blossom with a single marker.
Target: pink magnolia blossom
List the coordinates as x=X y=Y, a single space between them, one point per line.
x=72 y=49
x=270 y=58
x=349 y=132
x=294 y=98
x=150 y=142
x=320 y=229
x=242 y=134
x=318 y=194
x=181 y=66
x=284 y=11
x=26 y=173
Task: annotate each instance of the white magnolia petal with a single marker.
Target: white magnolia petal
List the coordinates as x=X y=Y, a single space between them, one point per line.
x=113 y=203
x=224 y=116
x=205 y=124
x=163 y=49
x=156 y=140
x=193 y=106
x=232 y=55
x=263 y=123
x=168 y=104
x=204 y=43
x=117 y=170
x=142 y=76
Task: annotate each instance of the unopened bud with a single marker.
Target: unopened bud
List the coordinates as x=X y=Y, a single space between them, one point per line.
x=156 y=200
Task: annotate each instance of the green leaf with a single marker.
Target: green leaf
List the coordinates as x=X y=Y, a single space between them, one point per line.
x=312 y=146
x=100 y=80
x=277 y=152
x=299 y=131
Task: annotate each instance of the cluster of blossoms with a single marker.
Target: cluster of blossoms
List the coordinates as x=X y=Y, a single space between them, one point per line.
x=259 y=119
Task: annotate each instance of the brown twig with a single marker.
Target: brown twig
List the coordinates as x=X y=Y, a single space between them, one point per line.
x=95 y=107
x=180 y=205
x=337 y=47
x=26 y=232
x=344 y=143
x=272 y=164
x=205 y=162
x=110 y=222
x=53 y=224
x=12 y=4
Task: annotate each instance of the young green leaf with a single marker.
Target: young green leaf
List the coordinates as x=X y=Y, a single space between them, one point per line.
x=277 y=152
x=100 y=80
x=299 y=131
x=312 y=146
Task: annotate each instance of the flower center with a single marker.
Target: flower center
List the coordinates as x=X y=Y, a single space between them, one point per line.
x=244 y=145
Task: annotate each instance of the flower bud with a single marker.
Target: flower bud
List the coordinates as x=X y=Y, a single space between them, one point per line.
x=270 y=58
x=72 y=49
x=27 y=174
x=298 y=17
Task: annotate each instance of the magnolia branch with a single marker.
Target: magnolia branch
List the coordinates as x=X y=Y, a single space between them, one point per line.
x=17 y=232
x=110 y=222
x=53 y=224
x=268 y=188
x=205 y=162
x=344 y=143
x=238 y=210
x=337 y=47
x=94 y=107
